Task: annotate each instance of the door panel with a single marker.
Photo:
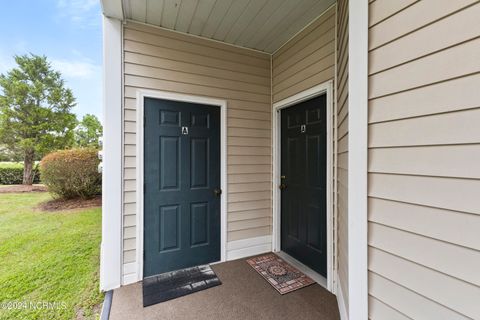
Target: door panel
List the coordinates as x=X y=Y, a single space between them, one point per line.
x=181 y=172
x=303 y=164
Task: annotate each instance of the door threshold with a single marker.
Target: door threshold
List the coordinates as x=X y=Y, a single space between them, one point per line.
x=315 y=276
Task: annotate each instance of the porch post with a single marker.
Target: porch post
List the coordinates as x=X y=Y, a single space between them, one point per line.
x=357 y=159
x=111 y=248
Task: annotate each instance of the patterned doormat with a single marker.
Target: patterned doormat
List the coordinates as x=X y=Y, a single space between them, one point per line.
x=281 y=275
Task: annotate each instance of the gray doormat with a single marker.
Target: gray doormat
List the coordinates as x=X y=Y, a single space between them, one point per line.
x=171 y=285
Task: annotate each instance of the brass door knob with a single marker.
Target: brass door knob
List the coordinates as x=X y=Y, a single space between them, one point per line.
x=283 y=186
x=217 y=192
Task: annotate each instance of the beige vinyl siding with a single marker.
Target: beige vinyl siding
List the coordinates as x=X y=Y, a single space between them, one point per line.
x=306 y=60
x=157 y=59
x=424 y=155
x=342 y=149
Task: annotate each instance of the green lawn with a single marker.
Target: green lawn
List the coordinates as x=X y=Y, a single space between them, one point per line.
x=48 y=257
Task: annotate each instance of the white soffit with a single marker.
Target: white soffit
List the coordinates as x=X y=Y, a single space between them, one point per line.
x=263 y=25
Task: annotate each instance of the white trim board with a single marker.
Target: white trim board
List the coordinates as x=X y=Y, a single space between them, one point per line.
x=222 y=104
x=111 y=247
x=248 y=247
x=324 y=88
x=341 y=302
x=358 y=160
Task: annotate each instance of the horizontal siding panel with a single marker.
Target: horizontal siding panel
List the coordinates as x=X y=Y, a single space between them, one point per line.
x=249 y=186
x=431 y=222
x=253 y=151
x=382 y=9
x=324 y=22
x=249 y=196
x=454 y=29
x=249 y=205
x=452 y=95
x=322 y=53
x=129 y=232
x=309 y=71
x=248 y=132
x=460 y=161
x=251 y=115
x=133 y=83
x=249 y=142
x=247 y=178
x=249 y=123
x=439 y=287
x=448 y=193
x=130 y=185
x=198 y=49
x=185 y=77
x=407 y=302
x=459 y=262
x=318 y=78
x=430 y=69
x=416 y=16
x=242 y=159
x=235 y=169
x=129 y=256
x=170 y=54
x=249 y=233
x=129 y=220
x=249 y=214
x=151 y=61
x=129 y=208
x=130 y=162
x=249 y=224
x=377 y=310
x=322 y=38
x=448 y=128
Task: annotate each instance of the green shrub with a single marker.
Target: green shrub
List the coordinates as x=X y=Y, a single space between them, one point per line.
x=12 y=173
x=72 y=173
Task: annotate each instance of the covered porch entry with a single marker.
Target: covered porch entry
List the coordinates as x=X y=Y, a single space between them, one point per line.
x=278 y=73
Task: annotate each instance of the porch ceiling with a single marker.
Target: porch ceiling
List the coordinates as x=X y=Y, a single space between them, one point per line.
x=263 y=25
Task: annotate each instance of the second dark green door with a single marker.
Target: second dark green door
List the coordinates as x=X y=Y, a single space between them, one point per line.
x=304 y=170
x=182 y=185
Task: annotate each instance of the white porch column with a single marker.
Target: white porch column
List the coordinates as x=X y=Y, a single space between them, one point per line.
x=111 y=248
x=357 y=159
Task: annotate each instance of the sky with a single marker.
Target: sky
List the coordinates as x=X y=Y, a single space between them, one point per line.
x=69 y=33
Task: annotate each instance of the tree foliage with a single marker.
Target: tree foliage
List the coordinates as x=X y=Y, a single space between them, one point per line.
x=35 y=111
x=88 y=132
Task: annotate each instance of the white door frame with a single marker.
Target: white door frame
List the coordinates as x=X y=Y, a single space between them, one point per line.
x=222 y=104
x=326 y=87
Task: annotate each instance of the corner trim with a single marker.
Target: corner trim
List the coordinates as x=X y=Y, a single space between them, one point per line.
x=358 y=160
x=111 y=247
x=222 y=104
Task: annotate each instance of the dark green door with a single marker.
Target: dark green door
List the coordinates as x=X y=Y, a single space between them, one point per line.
x=182 y=183
x=303 y=170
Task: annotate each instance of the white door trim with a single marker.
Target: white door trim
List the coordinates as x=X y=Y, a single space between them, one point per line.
x=326 y=87
x=141 y=95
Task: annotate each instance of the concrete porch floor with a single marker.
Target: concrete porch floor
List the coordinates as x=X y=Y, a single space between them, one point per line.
x=244 y=294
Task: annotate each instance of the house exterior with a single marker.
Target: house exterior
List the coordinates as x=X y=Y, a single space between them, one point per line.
x=396 y=163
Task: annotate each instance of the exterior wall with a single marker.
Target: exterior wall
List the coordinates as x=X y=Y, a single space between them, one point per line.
x=342 y=148
x=157 y=59
x=424 y=152
x=306 y=60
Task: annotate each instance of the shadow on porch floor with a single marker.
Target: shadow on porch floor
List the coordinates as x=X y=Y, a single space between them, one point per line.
x=244 y=294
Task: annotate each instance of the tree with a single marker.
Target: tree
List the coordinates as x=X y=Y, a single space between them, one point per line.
x=35 y=111
x=88 y=132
